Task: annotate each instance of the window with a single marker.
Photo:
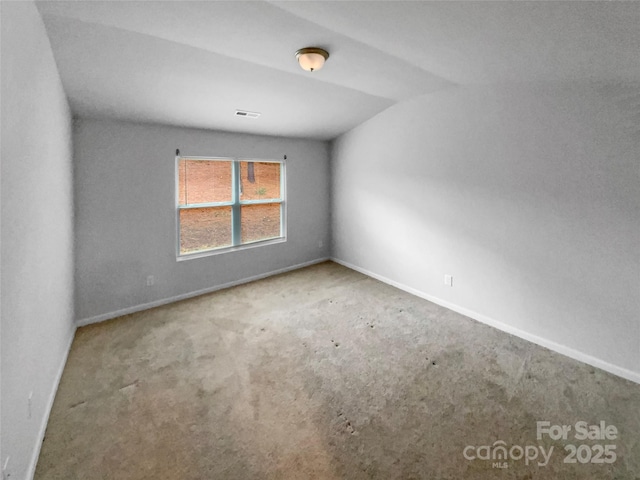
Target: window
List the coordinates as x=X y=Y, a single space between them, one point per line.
x=224 y=203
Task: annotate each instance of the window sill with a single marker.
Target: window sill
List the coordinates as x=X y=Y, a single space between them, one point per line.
x=219 y=251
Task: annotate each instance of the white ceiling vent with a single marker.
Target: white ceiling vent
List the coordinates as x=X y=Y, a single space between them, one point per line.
x=245 y=114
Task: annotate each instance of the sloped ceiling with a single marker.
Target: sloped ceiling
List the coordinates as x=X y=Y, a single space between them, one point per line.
x=194 y=63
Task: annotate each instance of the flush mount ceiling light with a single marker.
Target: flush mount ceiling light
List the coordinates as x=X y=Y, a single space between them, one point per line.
x=311 y=58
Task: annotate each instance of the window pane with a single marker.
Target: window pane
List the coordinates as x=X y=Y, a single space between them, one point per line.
x=204 y=228
x=203 y=181
x=260 y=222
x=260 y=180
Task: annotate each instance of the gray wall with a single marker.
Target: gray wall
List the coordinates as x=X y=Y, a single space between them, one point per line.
x=37 y=238
x=125 y=214
x=529 y=196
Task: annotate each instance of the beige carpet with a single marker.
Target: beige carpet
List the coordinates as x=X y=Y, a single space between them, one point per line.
x=325 y=373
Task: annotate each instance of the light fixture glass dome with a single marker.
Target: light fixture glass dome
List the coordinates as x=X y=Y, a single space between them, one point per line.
x=311 y=58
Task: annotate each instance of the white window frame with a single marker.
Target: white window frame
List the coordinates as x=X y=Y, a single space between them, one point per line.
x=236 y=203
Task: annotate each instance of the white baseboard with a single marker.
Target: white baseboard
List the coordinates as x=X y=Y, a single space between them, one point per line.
x=184 y=296
x=551 y=345
x=31 y=470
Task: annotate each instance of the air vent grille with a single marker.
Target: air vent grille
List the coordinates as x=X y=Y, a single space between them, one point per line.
x=246 y=114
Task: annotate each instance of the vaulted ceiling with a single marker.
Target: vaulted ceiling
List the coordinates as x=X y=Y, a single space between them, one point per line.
x=195 y=63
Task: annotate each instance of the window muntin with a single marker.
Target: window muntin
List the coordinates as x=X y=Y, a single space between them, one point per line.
x=224 y=204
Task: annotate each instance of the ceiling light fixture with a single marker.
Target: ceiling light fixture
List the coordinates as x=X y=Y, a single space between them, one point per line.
x=311 y=58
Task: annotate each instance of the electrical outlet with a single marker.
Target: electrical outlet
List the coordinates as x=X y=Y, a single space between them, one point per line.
x=448 y=280
x=150 y=280
x=29 y=405
x=320 y=244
